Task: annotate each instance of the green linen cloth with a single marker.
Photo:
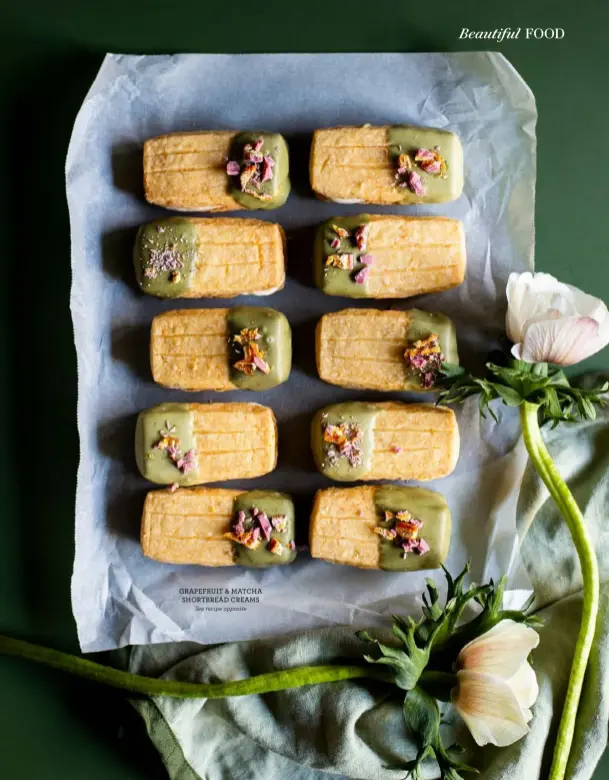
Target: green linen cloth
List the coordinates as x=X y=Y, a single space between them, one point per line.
x=355 y=729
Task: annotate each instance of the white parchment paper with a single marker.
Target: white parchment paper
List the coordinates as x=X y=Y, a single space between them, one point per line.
x=119 y=597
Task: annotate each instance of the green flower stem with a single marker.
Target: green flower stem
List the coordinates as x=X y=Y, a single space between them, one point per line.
x=151 y=686
x=591 y=586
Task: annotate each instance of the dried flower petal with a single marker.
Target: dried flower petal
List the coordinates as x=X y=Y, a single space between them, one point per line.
x=360 y=235
x=366 y=259
x=425 y=358
x=346 y=441
x=249 y=539
x=233 y=168
x=335 y=243
x=361 y=276
x=259 y=144
x=396 y=448
x=267 y=169
x=246 y=175
x=415 y=183
x=265 y=525
x=404 y=164
x=239 y=526
x=173 y=487
x=425 y=155
x=244 y=367
x=280 y=523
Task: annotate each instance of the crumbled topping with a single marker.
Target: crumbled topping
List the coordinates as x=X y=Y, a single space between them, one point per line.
x=253 y=169
x=396 y=448
x=403 y=530
x=164 y=260
x=173 y=487
x=275 y=547
x=175 y=277
x=250 y=539
x=280 y=523
x=253 y=356
x=404 y=164
x=345 y=262
x=291 y=545
x=425 y=358
x=343 y=440
x=431 y=162
x=160 y=229
x=183 y=461
x=361 y=276
x=254 y=527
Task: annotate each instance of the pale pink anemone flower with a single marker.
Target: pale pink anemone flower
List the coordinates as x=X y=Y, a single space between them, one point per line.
x=552 y=322
x=496 y=685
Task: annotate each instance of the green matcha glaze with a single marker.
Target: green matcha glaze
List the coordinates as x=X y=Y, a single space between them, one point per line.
x=425 y=505
x=272 y=504
x=178 y=237
x=275 y=342
x=361 y=413
x=336 y=281
x=421 y=325
x=407 y=139
x=279 y=186
x=155 y=464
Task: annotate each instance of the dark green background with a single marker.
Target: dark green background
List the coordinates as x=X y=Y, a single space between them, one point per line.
x=50 y=726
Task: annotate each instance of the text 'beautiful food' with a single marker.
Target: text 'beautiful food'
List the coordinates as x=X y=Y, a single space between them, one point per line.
x=219 y=527
x=381 y=527
x=397 y=164
x=190 y=444
x=188 y=257
x=385 y=440
x=246 y=347
x=373 y=256
x=370 y=349
x=217 y=170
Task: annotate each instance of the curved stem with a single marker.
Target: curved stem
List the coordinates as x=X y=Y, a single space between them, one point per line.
x=152 y=686
x=589 y=566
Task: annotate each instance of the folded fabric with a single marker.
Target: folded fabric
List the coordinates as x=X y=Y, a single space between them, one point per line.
x=355 y=729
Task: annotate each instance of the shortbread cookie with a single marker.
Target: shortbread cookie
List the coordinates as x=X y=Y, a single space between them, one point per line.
x=393 y=165
x=370 y=349
x=381 y=527
x=218 y=527
x=246 y=347
x=217 y=170
x=186 y=257
x=385 y=440
x=190 y=444
x=378 y=256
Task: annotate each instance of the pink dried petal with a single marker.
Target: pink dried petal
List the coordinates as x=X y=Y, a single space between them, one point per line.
x=258 y=145
x=261 y=364
x=265 y=525
x=267 y=170
x=292 y=545
x=238 y=528
x=366 y=259
x=269 y=160
x=255 y=534
x=424 y=156
x=429 y=379
x=421 y=547
x=335 y=243
x=408 y=546
x=415 y=183
x=432 y=167
x=360 y=234
x=255 y=511
x=173 y=487
x=173 y=452
x=361 y=276
x=233 y=168
x=396 y=449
